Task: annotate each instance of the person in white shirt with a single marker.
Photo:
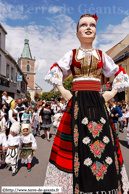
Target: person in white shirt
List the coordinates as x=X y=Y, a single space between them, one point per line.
x=14 y=145
x=57 y=107
x=57 y=120
x=12 y=116
x=3 y=144
x=29 y=145
x=4 y=96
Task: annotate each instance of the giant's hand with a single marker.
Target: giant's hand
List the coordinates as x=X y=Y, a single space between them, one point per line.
x=66 y=94
x=108 y=95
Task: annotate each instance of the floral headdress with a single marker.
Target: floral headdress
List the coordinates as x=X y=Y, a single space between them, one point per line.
x=95 y=16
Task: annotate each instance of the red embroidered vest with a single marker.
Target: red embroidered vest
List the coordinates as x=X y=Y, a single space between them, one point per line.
x=79 y=67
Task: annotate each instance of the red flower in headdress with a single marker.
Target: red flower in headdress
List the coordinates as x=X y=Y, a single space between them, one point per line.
x=95 y=16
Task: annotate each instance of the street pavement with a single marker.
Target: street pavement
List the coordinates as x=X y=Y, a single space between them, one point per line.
x=39 y=164
x=125 y=149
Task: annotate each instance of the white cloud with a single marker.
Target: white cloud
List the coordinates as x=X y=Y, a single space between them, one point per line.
x=53 y=9
x=113 y=34
x=12 y=12
x=40 y=64
x=49 y=43
x=46 y=43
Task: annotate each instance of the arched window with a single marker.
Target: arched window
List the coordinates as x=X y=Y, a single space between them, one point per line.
x=27 y=67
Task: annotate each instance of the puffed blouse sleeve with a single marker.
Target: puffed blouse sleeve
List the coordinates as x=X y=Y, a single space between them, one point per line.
x=121 y=80
x=60 y=69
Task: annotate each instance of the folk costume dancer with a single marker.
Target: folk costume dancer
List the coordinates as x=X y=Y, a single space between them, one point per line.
x=29 y=145
x=86 y=157
x=3 y=144
x=14 y=145
x=12 y=114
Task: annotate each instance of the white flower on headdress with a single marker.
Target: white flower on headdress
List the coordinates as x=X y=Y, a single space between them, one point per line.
x=108 y=160
x=86 y=140
x=85 y=121
x=106 y=139
x=103 y=120
x=87 y=161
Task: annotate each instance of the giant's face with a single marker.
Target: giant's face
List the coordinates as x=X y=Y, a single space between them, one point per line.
x=86 y=29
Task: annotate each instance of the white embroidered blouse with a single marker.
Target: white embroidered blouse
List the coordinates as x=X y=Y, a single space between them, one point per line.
x=3 y=139
x=14 y=140
x=55 y=75
x=29 y=139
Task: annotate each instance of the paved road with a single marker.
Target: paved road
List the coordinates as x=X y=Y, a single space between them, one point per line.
x=37 y=175
x=39 y=164
x=125 y=149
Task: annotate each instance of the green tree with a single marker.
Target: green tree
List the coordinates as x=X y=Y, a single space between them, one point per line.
x=44 y=95
x=47 y=95
x=40 y=96
x=68 y=83
x=57 y=94
x=28 y=96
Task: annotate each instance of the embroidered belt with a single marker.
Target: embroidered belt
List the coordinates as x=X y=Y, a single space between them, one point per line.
x=13 y=147
x=27 y=146
x=87 y=85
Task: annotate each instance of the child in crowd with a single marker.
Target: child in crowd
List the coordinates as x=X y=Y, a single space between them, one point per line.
x=35 y=122
x=28 y=145
x=3 y=144
x=14 y=145
x=26 y=117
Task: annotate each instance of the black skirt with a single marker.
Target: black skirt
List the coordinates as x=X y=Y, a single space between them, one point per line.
x=96 y=163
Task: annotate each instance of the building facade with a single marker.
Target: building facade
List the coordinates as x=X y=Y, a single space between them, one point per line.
x=120 y=54
x=9 y=69
x=27 y=64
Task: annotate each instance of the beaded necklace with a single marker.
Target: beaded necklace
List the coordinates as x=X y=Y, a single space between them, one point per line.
x=88 y=53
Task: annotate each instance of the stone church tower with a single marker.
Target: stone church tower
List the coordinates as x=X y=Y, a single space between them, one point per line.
x=27 y=64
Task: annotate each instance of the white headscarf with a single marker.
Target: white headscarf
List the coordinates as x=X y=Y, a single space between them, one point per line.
x=26 y=126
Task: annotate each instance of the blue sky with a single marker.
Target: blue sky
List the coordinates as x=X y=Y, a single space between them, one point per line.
x=52 y=27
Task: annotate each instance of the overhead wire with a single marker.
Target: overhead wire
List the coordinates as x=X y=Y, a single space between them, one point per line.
x=62 y=31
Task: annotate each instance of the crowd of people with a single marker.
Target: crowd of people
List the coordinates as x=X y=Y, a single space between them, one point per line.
x=118 y=112
x=20 y=121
